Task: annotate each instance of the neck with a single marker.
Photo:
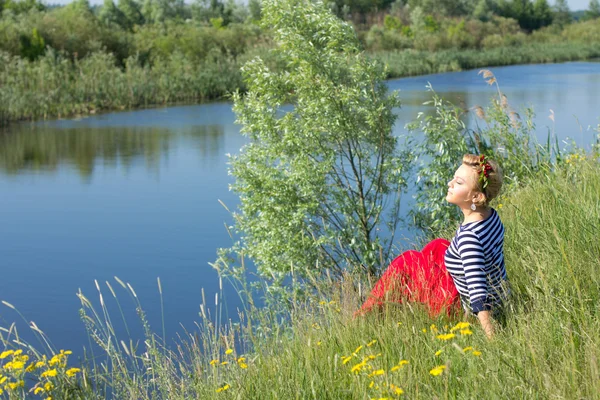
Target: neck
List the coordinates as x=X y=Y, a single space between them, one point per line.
x=478 y=214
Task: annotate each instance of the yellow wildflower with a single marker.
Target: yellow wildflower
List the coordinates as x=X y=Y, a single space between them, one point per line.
x=437 y=353
x=3 y=379
x=225 y=363
x=424 y=330
x=48 y=398
x=371 y=384
x=476 y=353
x=371 y=343
x=466 y=332
x=403 y=362
x=214 y=362
x=377 y=372
x=49 y=373
x=396 y=389
x=433 y=328
x=228 y=351
x=243 y=365
x=446 y=336
x=460 y=325
x=67 y=352
x=468 y=348
x=48 y=386
x=6 y=353
x=15 y=385
x=40 y=364
x=359 y=348
x=241 y=359
x=38 y=390
x=222 y=389
x=18 y=352
x=358 y=366
x=500 y=206
x=30 y=368
x=395 y=368
x=437 y=370
x=322 y=303
x=71 y=372
x=1 y=391
x=346 y=359
x=319 y=343
x=399 y=323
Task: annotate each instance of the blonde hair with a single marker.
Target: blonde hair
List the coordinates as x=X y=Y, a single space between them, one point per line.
x=494 y=178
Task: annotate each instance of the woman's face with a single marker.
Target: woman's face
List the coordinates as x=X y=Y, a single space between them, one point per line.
x=462 y=188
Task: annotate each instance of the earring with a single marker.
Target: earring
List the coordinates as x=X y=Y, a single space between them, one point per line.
x=473 y=206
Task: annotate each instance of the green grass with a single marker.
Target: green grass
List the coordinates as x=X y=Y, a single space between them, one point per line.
x=550 y=347
x=414 y=62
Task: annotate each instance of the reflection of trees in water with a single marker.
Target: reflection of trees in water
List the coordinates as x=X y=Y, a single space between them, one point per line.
x=43 y=148
x=209 y=139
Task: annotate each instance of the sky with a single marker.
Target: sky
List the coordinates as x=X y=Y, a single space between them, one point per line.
x=574 y=5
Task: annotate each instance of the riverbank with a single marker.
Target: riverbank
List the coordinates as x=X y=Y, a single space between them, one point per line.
x=549 y=347
x=53 y=87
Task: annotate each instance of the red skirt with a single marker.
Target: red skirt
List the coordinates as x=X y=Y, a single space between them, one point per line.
x=417 y=276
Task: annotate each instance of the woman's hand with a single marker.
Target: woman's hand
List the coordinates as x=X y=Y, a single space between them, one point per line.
x=486 y=323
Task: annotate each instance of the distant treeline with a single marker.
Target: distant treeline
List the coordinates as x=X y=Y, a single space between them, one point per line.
x=78 y=58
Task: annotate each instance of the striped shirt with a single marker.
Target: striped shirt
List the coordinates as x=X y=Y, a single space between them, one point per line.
x=475 y=260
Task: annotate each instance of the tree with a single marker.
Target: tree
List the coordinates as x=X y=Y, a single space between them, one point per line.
x=542 y=14
x=132 y=11
x=21 y=6
x=320 y=179
x=562 y=14
x=110 y=14
x=593 y=10
x=483 y=10
x=255 y=8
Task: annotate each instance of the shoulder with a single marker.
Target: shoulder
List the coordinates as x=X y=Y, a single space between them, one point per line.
x=467 y=238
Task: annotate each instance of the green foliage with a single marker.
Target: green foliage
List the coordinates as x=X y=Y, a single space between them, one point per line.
x=21 y=6
x=392 y=23
x=562 y=14
x=320 y=180
x=111 y=15
x=593 y=10
x=132 y=11
x=32 y=46
x=483 y=10
x=500 y=133
x=255 y=8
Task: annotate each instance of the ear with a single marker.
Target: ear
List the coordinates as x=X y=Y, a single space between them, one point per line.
x=479 y=197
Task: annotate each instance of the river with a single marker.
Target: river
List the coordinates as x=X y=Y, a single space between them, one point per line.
x=136 y=195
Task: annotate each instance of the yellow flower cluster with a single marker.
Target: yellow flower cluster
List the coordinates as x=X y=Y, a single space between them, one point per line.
x=371 y=372
x=16 y=369
x=463 y=328
x=223 y=388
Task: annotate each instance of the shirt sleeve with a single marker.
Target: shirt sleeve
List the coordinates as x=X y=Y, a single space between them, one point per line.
x=473 y=261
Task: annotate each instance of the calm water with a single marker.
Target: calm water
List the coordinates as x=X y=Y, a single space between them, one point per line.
x=135 y=195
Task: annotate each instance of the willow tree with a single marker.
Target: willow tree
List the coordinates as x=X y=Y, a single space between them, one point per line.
x=320 y=178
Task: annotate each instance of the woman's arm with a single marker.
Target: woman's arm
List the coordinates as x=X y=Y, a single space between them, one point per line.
x=486 y=323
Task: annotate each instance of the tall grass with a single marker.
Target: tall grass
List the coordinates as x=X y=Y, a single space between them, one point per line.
x=413 y=62
x=549 y=348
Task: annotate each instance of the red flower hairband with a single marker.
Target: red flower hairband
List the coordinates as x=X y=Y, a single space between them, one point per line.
x=485 y=170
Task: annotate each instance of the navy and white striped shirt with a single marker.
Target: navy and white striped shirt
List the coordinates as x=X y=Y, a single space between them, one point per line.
x=475 y=260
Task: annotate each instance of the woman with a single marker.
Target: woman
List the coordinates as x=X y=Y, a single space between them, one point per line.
x=470 y=269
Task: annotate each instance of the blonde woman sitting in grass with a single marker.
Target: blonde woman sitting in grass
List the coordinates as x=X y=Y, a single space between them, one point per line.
x=469 y=270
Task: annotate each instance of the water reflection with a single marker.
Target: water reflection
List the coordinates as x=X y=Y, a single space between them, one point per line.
x=27 y=148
